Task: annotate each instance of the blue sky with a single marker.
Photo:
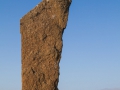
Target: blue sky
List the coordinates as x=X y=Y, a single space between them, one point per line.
x=91 y=46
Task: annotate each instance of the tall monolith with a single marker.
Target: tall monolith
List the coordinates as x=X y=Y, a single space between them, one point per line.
x=41 y=34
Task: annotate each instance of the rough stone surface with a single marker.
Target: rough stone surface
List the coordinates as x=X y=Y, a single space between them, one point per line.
x=41 y=32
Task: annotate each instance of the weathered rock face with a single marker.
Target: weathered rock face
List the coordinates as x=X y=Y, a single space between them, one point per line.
x=41 y=31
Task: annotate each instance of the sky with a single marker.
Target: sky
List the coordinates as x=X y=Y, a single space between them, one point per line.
x=91 y=46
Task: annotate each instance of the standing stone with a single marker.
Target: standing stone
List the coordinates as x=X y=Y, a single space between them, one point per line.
x=41 y=32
